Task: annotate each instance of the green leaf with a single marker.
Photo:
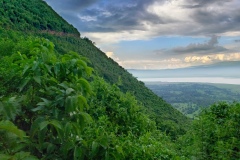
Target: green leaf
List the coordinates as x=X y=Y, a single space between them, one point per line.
x=24 y=83
x=69 y=91
x=23 y=156
x=85 y=85
x=45 y=102
x=42 y=135
x=106 y=155
x=37 y=79
x=71 y=103
x=57 y=69
x=119 y=149
x=50 y=148
x=25 y=69
x=78 y=155
x=10 y=127
x=35 y=125
x=86 y=116
x=64 y=85
x=95 y=147
x=82 y=102
x=10 y=107
x=48 y=68
x=35 y=65
x=56 y=124
x=37 y=108
x=5 y=157
x=43 y=124
x=67 y=128
x=103 y=141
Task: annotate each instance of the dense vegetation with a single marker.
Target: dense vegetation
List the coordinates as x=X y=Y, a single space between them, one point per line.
x=53 y=107
x=104 y=67
x=215 y=134
x=58 y=104
x=189 y=98
x=53 y=111
x=32 y=16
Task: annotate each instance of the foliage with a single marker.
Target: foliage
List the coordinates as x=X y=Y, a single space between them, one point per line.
x=52 y=88
x=36 y=18
x=58 y=114
x=190 y=97
x=215 y=135
x=52 y=107
x=33 y=15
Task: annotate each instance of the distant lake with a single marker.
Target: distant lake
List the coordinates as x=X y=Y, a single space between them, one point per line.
x=221 y=80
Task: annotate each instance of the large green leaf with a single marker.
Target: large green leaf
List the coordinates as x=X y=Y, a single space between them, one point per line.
x=35 y=126
x=37 y=79
x=10 y=107
x=95 y=148
x=24 y=83
x=78 y=153
x=43 y=125
x=45 y=102
x=69 y=91
x=23 y=156
x=10 y=127
x=5 y=157
x=56 y=124
x=82 y=102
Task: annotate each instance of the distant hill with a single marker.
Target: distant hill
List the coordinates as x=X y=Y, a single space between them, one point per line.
x=21 y=19
x=189 y=98
x=221 y=69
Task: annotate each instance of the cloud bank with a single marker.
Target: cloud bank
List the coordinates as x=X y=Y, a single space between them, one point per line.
x=152 y=18
x=111 y=22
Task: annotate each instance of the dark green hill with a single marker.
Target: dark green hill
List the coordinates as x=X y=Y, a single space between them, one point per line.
x=20 y=19
x=33 y=15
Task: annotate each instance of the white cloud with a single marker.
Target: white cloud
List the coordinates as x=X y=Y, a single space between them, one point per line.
x=87 y=18
x=171 y=10
x=109 y=54
x=213 y=58
x=202 y=59
x=115 y=37
x=153 y=64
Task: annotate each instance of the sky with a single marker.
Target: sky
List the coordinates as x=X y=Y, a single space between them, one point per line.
x=158 y=34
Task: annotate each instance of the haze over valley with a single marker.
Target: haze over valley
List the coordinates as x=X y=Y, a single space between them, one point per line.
x=222 y=72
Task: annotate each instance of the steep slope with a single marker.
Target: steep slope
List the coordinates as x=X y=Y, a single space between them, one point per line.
x=24 y=18
x=33 y=15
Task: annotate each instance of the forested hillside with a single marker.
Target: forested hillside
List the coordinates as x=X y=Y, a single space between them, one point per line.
x=14 y=30
x=63 y=98
x=189 y=98
x=32 y=15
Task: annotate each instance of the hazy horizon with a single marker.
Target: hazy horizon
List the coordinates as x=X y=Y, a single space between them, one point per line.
x=216 y=80
x=227 y=73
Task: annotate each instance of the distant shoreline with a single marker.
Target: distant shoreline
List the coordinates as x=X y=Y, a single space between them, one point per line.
x=215 y=80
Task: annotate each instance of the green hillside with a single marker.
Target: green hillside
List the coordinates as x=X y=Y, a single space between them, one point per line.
x=33 y=15
x=63 y=98
x=57 y=30
x=189 y=98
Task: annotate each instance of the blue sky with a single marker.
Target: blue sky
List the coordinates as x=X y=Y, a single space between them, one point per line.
x=157 y=34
